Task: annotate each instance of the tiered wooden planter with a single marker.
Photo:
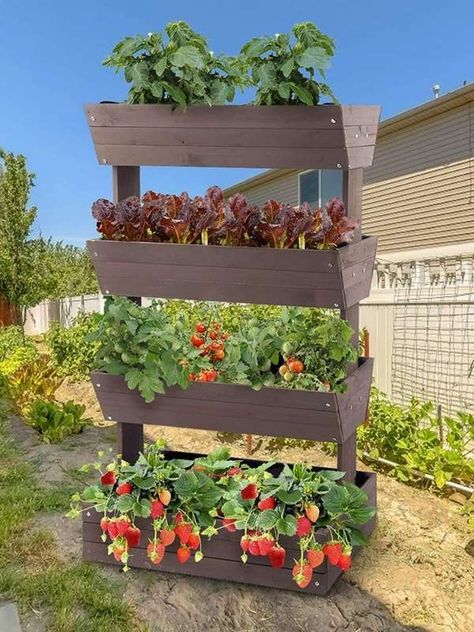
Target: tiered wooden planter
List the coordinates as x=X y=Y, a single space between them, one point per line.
x=331 y=137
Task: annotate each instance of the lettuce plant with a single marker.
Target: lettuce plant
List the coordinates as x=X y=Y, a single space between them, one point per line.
x=213 y=219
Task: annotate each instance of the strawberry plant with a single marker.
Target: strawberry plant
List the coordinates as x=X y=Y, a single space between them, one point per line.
x=213 y=219
x=189 y=500
x=154 y=348
x=176 y=67
x=284 y=70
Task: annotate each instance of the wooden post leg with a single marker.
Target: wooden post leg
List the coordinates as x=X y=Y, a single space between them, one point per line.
x=126 y=182
x=346 y=458
x=129 y=441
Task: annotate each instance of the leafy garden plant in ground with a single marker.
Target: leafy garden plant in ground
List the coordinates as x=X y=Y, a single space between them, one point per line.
x=156 y=347
x=213 y=219
x=188 y=500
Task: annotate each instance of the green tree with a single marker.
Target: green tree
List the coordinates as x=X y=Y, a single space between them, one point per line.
x=17 y=276
x=63 y=270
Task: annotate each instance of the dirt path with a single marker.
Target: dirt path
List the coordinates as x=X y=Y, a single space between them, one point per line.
x=415 y=575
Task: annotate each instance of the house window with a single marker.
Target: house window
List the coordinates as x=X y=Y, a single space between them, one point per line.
x=319 y=185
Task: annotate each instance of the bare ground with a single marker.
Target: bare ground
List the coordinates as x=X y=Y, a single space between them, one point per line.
x=414 y=575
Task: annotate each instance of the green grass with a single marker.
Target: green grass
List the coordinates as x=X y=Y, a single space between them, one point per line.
x=76 y=596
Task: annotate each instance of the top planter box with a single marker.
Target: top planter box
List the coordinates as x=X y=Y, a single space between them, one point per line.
x=278 y=136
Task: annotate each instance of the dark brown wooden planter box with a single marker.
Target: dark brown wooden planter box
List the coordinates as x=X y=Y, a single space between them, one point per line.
x=222 y=553
x=328 y=278
x=276 y=412
x=280 y=136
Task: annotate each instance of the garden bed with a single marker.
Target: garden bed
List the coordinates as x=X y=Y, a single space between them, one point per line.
x=326 y=136
x=335 y=278
x=222 y=554
x=235 y=408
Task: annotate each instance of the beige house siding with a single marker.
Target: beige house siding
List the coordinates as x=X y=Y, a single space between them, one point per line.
x=419 y=191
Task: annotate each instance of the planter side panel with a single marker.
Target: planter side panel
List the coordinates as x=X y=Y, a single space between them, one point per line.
x=337 y=278
x=234 y=136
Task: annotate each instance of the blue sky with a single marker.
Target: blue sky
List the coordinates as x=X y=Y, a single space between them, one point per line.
x=388 y=52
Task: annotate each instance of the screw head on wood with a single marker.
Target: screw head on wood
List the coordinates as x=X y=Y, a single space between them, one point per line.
x=98 y=385
x=339 y=166
x=109 y=418
x=330 y=265
x=336 y=304
x=96 y=254
x=93 y=119
x=357 y=135
x=107 y=292
x=316 y=583
x=333 y=120
x=104 y=161
x=88 y=513
x=328 y=405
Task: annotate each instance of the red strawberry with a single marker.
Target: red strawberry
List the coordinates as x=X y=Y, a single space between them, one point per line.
x=333 y=551
x=183 y=554
x=229 y=524
x=122 y=525
x=268 y=503
x=112 y=529
x=183 y=530
x=167 y=536
x=165 y=497
x=244 y=543
x=118 y=551
x=265 y=543
x=303 y=526
x=157 y=509
x=345 y=561
x=133 y=535
x=315 y=557
x=108 y=479
x=233 y=471
x=155 y=551
x=194 y=541
x=104 y=524
x=302 y=574
x=250 y=492
x=312 y=512
x=254 y=549
x=179 y=517
x=124 y=488
x=276 y=556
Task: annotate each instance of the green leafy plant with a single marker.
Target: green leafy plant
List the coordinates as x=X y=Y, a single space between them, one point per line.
x=154 y=348
x=71 y=348
x=187 y=500
x=13 y=338
x=56 y=421
x=283 y=69
x=31 y=381
x=411 y=437
x=176 y=67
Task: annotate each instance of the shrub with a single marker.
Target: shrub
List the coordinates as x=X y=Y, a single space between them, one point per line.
x=71 y=350
x=57 y=421
x=11 y=339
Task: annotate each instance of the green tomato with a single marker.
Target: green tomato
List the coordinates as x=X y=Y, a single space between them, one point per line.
x=127 y=358
x=266 y=365
x=287 y=348
x=118 y=348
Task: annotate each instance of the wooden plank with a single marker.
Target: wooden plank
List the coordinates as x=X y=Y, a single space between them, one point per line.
x=257 y=157
x=226 y=137
x=213 y=568
x=233 y=116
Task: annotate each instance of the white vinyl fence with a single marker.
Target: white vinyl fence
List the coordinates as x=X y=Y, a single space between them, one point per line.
x=420 y=319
